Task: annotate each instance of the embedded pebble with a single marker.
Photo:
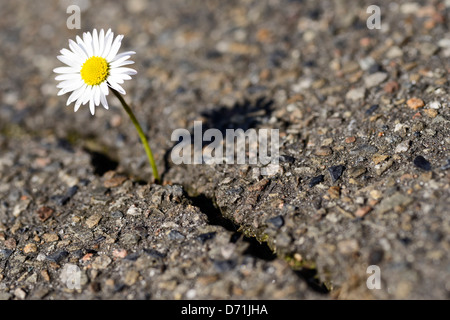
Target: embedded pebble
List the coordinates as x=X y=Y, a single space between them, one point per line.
x=336 y=172
x=277 y=221
x=422 y=163
x=375 y=79
x=93 y=220
x=402 y=147
x=134 y=211
x=316 y=180
x=415 y=103
x=356 y=94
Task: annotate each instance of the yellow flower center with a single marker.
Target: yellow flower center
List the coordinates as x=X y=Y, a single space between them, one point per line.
x=95 y=70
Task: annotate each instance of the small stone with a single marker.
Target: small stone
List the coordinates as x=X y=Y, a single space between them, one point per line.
x=336 y=172
x=101 y=262
x=396 y=200
x=364 y=149
x=206 y=236
x=379 y=158
x=376 y=256
x=381 y=168
x=394 y=52
x=29 y=248
x=375 y=194
x=130 y=238
x=327 y=142
x=50 y=237
x=323 y=151
x=434 y=105
x=44 y=213
x=361 y=212
x=372 y=109
x=20 y=293
x=131 y=277
x=21 y=207
x=277 y=221
x=114 y=182
x=93 y=220
x=422 y=163
x=10 y=243
x=134 y=211
x=334 y=192
x=6 y=253
x=224 y=265
x=155 y=253
x=120 y=253
x=350 y=139
x=316 y=180
x=446 y=166
x=391 y=87
x=175 y=235
x=428 y=49
x=415 y=103
x=348 y=246
x=45 y=275
x=57 y=256
x=356 y=172
x=356 y=94
x=402 y=147
x=375 y=79
x=432 y=113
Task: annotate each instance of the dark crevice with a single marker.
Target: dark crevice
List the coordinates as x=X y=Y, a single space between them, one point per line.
x=310 y=276
x=102 y=163
x=256 y=249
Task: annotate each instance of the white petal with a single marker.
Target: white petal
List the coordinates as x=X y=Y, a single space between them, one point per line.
x=104 y=88
x=77 y=105
x=68 y=76
x=101 y=42
x=72 y=86
x=116 y=86
x=69 y=62
x=128 y=71
x=76 y=94
x=92 y=106
x=83 y=46
x=95 y=44
x=108 y=42
x=87 y=39
x=61 y=92
x=117 y=64
x=115 y=78
x=121 y=77
x=72 y=56
x=97 y=95
x=78 y=50
x=69 y=83
x=104 y=101
x=65 y=70
x=114 y=48
x=123 y=54
x=87 y=95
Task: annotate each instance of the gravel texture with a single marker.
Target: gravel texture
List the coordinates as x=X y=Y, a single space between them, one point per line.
x=364 y=124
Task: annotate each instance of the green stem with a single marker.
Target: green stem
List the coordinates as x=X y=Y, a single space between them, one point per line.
x=151 y=160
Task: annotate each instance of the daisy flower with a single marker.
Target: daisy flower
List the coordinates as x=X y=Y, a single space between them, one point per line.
x=93 y=66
